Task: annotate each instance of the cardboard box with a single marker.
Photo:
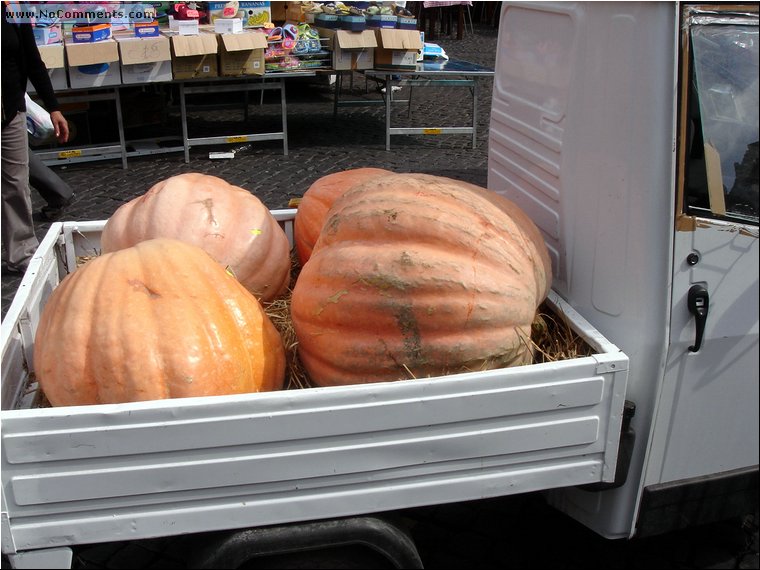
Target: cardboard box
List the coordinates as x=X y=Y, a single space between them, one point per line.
x=194 y=56
x=397 y=49
x=54 y=59
x=48 y=35
x=144 y=60
x=228 y=25
x=90 y=34
x=242 y=54
x=279 y=11
x=93 y=64
x=351 y=50
x=294 y=12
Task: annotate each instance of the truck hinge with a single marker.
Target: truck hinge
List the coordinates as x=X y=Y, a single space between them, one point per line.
x=625 y=452
x=59 y=557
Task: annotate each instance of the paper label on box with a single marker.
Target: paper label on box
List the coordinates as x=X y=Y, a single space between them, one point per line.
x=404 y=58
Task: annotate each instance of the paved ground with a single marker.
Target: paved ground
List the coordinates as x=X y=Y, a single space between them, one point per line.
x=513 y=532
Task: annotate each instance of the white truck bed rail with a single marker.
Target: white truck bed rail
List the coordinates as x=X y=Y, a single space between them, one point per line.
x=89 y=474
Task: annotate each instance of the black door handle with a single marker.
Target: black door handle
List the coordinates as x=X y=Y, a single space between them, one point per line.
x=698 y=302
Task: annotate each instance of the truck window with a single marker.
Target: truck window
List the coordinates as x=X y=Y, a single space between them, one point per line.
x=722 y=154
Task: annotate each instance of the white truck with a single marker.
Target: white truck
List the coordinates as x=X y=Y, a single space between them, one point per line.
x=628 y=132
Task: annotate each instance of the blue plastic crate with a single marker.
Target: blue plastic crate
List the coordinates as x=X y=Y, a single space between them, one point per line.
x=353 y=23
x=382 y=21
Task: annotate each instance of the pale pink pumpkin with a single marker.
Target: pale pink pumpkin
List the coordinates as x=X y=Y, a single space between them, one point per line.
x=228 y=222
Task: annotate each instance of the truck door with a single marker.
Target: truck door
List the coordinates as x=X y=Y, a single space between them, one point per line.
x=707 y=416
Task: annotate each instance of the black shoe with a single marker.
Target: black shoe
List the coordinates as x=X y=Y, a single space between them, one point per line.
x=52 y=213
x=14 y=268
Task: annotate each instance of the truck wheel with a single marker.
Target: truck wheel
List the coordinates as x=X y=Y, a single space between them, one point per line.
x=343 y=558
x=353 y=542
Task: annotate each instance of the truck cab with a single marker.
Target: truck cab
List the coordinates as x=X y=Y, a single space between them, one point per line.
x=629 y=133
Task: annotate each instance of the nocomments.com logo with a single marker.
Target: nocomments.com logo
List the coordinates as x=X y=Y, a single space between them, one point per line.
x=42 y=13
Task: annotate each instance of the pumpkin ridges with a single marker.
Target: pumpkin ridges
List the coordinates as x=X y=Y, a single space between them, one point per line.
x=440 y=275
x=271 y=341
x=448 y=213
x=372 y=365
x=534 y=241
x=233 y=317
x=175 y=350
x=385 y=276
x=174 y=317
x=134 y=342
x=55 y=318
x=393 y=313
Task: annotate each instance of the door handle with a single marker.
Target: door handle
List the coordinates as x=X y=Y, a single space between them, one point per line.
x=698 y=302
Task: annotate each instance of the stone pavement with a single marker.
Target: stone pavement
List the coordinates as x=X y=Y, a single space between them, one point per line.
x=517 y=532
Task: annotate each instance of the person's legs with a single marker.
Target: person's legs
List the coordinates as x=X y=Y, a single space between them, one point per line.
x=19 y=239
x=46 y=181
x=51 y=187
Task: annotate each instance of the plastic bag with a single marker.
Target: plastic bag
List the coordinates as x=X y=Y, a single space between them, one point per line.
x=38 y=122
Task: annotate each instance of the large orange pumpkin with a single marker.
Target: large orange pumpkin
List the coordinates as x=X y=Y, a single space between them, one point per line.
x=417 y=276
x=158 y=320
x=317 y=200
x=228 y=222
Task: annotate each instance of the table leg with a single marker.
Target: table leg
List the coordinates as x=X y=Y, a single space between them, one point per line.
x=460 y=23
x=474 y=111
x=338 y=86
x=284 y=118
x=183 y=115
x=388 y=104
x=120 y=123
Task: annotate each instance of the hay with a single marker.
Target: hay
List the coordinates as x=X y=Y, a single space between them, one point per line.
x=278 y=312
x=553 y=338
x=82 y=259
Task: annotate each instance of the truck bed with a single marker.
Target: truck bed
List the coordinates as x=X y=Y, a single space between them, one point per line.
x=89 y=474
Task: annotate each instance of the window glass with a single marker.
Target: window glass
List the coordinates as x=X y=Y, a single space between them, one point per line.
x=723 y=167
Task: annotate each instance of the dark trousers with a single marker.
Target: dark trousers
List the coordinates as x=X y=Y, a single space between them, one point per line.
x=19 y=239
x=50 y=186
